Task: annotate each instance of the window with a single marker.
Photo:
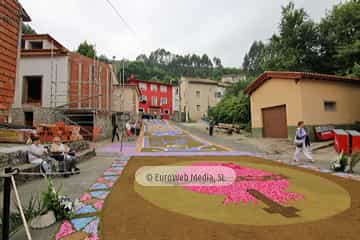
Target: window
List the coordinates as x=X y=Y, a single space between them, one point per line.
x=154 y=88
x=218 y=95
x=163 y=101
x=91 y=73
x=177 y=91
x=198 y=108
x=163 y=89
x=198 y=93
x=142 y=86
x=154 y=100
x=330 y=106
x=143 y=99
x=32 y=90
x=166 y=112
x=29 y=119
x=36 y=45
x=22 y=44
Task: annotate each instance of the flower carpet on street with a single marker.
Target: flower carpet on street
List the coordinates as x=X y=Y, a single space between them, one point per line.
x=266 y=197
x=271 y=186
x=160 y=136
x=85 y=224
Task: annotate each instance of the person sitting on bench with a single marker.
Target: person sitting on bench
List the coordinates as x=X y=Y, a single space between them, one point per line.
x=38 y=154
x=61 y=152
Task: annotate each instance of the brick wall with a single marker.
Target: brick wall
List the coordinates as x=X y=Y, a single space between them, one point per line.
x=9 y=30
x=88 y=80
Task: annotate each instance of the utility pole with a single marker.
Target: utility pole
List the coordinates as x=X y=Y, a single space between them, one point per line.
x=122 y=86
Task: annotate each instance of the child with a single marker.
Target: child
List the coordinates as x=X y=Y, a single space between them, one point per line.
x=302 y=143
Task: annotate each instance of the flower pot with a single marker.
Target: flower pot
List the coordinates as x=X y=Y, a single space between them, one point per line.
x=43 y=221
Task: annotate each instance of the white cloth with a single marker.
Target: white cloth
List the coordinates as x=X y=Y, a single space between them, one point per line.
x=35 y=153
x=305 y=150
x=59 y=148
x=299 y=141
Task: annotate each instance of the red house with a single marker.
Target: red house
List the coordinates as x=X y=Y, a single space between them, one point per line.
x=156 y=98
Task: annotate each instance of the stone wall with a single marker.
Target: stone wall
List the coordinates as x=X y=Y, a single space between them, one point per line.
x=12 y=159
x=104 y=123
x=41 y=115
x=46 y=116
x=17 y=158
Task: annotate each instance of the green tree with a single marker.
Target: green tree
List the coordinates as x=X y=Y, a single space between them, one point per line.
x=296 y=48
x=27 y=29
x=340 y=38
x=217 y=62
x=104 y=58
x=87 y=50
x=232 y=109
x=253 y=59
x=355 y=71
x=165 y=66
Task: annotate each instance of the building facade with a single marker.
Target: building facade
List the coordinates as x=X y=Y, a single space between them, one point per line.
x=156 y=98
x=52 y=80
x=231 y=79
x=197 y=96
x=12 y=15
x=125 y=99
x=279 y=100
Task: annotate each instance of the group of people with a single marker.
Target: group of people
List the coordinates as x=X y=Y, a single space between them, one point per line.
x=131 y=128
x=58 y=154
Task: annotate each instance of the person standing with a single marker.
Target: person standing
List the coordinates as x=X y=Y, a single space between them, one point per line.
x=302 y=143
x=211 y=127
x=115 y=132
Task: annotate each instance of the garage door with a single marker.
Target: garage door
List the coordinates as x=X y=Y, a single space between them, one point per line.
x=274 y=122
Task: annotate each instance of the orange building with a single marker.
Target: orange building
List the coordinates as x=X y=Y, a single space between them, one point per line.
x=280 y=99
x=12 y=14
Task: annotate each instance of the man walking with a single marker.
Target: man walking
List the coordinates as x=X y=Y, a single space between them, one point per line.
x=211 y=127
x=302 y=142
x=115 y=132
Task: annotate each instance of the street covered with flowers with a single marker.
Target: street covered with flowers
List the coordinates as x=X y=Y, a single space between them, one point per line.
x=264 y=200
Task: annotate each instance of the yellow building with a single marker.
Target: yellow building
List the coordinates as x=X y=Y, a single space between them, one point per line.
x=280 y=99
x=197 y=95
x=125 y=99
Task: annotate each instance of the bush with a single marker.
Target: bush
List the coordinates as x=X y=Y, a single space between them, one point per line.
x=53 y=201
x=354 y=160
x=232 y=110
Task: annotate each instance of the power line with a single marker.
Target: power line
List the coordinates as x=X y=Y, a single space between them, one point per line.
x=120 y=16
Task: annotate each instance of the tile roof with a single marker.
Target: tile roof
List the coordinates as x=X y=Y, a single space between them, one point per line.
x=295 y=75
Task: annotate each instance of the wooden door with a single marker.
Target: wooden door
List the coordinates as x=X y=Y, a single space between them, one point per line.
x=275 y=122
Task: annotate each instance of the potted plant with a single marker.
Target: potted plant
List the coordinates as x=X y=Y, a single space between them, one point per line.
x=354 y=160
x=55 y=207
x=339 y=165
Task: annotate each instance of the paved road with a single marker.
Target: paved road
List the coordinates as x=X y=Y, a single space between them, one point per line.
x=243 y=147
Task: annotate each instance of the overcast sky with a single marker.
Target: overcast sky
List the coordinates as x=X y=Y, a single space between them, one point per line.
x=222 y=28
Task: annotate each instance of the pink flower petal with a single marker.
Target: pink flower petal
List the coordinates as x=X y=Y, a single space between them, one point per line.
x=65 y=230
